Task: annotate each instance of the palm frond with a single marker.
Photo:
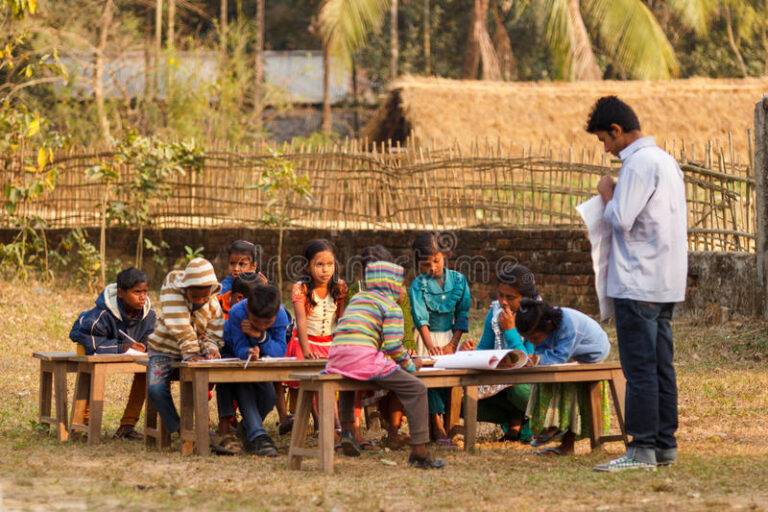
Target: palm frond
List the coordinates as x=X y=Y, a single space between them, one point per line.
x=559 y=29
x=641 y=47
x=345 y=24
x=696 y=14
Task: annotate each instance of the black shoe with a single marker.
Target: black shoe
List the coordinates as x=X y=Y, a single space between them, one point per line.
x=427 y=462
x=264 y=446
x=349 y=444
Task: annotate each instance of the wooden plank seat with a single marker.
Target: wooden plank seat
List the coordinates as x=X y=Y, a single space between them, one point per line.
x=89 y=389
x=327 y=386
x=54 y=367
x=155 y=434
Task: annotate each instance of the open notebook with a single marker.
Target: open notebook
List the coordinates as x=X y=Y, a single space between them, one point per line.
x=483 y=360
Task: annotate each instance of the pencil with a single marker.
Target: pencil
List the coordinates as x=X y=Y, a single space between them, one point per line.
x=247 y=361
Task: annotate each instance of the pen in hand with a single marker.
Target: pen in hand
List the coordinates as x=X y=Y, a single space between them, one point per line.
x=248 y=360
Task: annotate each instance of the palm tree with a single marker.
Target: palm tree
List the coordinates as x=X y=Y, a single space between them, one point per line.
x=344 y=28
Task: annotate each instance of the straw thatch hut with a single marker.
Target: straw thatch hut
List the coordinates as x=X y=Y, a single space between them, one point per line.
x=527 y=113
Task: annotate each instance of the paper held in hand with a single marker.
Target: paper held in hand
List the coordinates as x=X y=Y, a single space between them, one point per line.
x=483 y=360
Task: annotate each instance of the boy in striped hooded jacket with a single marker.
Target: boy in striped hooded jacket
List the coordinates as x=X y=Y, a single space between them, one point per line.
x=190 y=328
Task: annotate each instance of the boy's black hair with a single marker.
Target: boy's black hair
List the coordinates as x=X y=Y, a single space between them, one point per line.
x=245 y=282
x=312 y=249
x=428 y=243
x=264 y=301
x=375 y=253
x=520 y=278
x=537 y=316
x=610 y=110
x=247 y=248
x=130 y=277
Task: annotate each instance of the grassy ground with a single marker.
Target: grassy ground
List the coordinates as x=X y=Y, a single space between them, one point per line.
x=723 y=438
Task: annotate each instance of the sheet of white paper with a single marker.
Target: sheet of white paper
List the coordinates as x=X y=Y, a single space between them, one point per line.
x=132 y=352
x=600 y=238
x=478 y=359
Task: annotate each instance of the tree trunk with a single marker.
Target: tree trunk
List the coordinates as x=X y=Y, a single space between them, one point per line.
x=732 y=42
x=223 y=27
x=472 y=55
x=158 y=43
x=280 y=233
x=327 y=122
x=394 y=44
x=503 y=47
x=170 y=42
x=140 y=247
x=105 y=21
x=584 y=63
x=258 y=93
x=427 y=42
x=764 y=38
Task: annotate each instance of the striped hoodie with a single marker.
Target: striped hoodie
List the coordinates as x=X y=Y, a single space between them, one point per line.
x=180 y=330
x=373 y=317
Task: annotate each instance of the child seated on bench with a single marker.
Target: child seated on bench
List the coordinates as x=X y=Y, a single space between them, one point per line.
x=123 y=318
x=367 y=345
x=190 y=328
x=560 y=335
x=256 y=328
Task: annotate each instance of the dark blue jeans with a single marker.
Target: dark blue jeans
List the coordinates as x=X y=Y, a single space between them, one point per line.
x=159 y=389
x=255 y=400
x=646 y=351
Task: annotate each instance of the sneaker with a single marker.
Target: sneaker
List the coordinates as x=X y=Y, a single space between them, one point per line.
x=624 y=463
x=264 y=446
x=427 y=462
x=666 y=456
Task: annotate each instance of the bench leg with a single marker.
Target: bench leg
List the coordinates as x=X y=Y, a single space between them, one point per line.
x=46 y=392
x=327 y=407
x=60 y=394
x=300 y=425
x=454 y=411
x=97 y=404
x=187 y=414
x=202 y=439
x=595 y=413
x=618 y=390
x=80 y=400
x=470 y=416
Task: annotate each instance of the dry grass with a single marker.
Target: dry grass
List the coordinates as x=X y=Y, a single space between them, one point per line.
x=723 y=462
x=529 y=113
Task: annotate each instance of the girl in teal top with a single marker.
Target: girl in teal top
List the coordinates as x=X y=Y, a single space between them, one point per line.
x=505 y=405
x=440 y=303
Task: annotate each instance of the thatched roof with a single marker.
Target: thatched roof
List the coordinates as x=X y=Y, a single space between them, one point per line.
x=527 y=113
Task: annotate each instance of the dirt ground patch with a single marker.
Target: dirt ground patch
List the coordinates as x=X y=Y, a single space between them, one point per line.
x=723 y=434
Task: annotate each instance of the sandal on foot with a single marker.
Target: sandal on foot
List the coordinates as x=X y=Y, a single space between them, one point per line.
x=550 y=451
x=369 y=447
x=349 y=446
x=541 y=440
x=395 y=443
x=284 y=428
x=445 y=444
x=129 y=433
x=226 y=445
x=427 y=462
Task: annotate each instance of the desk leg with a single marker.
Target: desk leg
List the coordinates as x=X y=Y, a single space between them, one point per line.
x=60 y=395
x=470 y=417
x=618 y=390
x=595 y=413
x=300 y=425
x=202 y=439
x=80 y=399
x=454 y=411
x=187 y=414
x=97 y=403
x=327 y=407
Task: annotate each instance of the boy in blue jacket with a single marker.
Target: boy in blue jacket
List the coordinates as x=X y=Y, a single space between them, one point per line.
x=123 y=318
x=256 y=328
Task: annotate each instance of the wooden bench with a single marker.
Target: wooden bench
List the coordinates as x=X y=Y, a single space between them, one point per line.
x=195 y=378
x=155 y=433
x=89 y=389
x=328 y=385
x=54 y=367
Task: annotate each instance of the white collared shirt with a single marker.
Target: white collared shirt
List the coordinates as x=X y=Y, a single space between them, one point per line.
x=649 y=248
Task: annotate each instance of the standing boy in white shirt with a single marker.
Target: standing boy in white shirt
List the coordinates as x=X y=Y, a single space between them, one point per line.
x=647 y=272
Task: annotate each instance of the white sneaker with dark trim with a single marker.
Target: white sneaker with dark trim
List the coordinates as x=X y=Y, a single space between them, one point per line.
x=624 y=463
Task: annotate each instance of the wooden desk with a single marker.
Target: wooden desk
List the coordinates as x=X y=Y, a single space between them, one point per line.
x=89 y=389
x=195 y=377
x=328 y=385
x=54 y=367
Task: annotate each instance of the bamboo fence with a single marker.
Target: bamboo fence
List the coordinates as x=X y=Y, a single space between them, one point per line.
x=356 y=185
